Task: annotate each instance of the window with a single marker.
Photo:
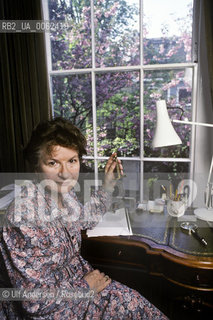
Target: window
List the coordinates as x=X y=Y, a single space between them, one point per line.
x=108 y=68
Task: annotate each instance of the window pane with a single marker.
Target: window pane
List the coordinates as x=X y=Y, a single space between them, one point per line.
x=118 y=113
x=87 y=166
x=116 y=32
x=157 y=174
x=71 y=48
x=131 y=181
x=86 y=180
x=129 y=185
x=174 y=86
x=73 y=100
x=167 y=31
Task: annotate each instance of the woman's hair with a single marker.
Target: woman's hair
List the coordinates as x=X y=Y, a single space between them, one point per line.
x=52 y=133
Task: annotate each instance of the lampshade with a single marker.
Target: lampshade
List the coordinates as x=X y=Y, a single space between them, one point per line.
x=165 y=134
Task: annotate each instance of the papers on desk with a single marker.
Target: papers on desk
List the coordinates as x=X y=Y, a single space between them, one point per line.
x=112 y=224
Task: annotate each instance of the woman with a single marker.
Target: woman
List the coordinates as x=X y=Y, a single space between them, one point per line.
x=41 y=241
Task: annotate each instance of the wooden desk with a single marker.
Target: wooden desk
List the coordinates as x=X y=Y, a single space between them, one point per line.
x=172 y=269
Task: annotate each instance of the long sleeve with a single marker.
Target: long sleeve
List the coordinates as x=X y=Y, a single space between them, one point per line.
x=42 y=255
x=90 y=213
x=40 y=245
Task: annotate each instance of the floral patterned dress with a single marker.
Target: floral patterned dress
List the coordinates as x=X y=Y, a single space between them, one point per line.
x=40 y=245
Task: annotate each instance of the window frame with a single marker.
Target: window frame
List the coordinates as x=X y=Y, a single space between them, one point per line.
x=141 y=69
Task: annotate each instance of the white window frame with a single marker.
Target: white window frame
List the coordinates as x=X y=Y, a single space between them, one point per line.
x=141 y=68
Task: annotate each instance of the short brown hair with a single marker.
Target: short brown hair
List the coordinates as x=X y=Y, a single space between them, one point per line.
x=50 y=133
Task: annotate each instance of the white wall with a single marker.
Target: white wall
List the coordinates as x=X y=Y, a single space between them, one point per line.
x=204 y=136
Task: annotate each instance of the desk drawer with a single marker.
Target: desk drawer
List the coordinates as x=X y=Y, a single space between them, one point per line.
x=189 y=276
x=130 y=254
x=106 y=251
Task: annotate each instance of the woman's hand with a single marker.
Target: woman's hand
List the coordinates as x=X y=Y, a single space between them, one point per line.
x=97 y=280
x=111 y=166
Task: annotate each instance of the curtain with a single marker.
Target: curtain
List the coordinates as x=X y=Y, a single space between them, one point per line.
x=208 y=14
x=24 y=90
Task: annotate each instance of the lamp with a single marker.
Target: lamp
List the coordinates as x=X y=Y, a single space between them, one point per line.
x=165 y=135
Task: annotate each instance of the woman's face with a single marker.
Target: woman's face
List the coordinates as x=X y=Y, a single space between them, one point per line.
x=62 y=167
